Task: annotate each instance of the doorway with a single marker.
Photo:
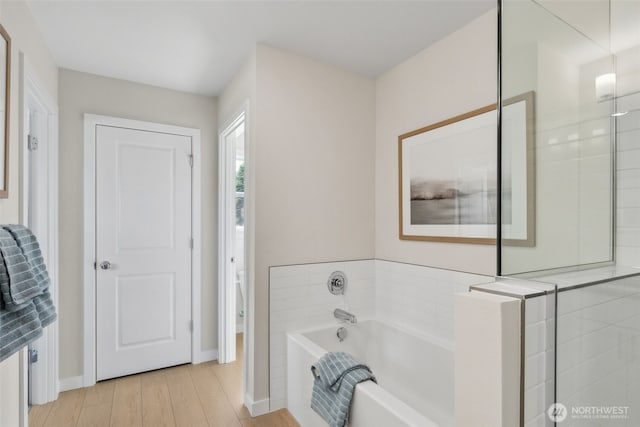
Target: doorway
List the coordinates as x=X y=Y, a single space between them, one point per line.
x=38 y=211
x=232 y=263
x=142 y=247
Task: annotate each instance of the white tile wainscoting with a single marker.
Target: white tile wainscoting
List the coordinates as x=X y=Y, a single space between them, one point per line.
x=417 y=298
x=299 y=300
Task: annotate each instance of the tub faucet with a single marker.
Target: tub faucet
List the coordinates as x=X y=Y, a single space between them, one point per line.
x=340 y=314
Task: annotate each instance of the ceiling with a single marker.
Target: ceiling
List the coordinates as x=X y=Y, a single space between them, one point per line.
x=197 y=46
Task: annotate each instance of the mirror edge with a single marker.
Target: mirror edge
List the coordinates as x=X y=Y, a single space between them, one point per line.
x=4 y=192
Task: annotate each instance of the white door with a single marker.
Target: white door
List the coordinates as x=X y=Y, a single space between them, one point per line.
x=143 y=251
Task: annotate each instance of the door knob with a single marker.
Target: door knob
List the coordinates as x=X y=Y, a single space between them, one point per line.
x=105 y=265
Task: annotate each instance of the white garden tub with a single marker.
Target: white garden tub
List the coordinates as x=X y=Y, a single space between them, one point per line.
x=415 y=376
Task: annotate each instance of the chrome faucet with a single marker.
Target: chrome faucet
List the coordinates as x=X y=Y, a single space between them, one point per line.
x=340 y=314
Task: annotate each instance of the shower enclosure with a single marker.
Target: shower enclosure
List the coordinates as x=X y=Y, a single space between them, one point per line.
x=570 y=204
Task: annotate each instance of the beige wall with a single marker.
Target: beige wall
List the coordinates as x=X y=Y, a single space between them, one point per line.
x=314 y=168
x=26 y=38
x=451 y=77
x=84 y=93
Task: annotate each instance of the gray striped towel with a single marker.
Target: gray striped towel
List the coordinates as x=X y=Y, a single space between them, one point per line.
x=45 y=308
x=28 y=243
x=18 y=328
x=17 y=284
x=336 y=376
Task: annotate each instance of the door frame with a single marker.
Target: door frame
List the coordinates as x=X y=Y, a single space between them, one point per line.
x=255 y=408
x=226 y=245
x=89 y=233
x=33 y=95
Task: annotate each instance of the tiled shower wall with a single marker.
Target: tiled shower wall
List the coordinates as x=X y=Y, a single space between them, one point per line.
x=414 y=297
x=598 y=351
x=628 y=182
x=539 y=359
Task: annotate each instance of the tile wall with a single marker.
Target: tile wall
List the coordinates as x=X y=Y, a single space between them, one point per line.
x=628 y=182
x=420 y=298
x=299 y=300
x=415 y=297
x=599 y=350
x=539 y=360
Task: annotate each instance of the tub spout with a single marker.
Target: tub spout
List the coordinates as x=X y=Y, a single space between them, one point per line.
x=340 y=314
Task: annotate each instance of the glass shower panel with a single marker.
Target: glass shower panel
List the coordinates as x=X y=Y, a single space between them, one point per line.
x=557 y=146
x=579 y=224
x=598 y=357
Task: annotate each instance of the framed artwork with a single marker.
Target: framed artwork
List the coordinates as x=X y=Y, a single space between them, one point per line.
x=448 y=177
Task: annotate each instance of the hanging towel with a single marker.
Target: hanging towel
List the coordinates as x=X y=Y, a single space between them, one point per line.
x=336 y=376
x=18 y=329
x=17 y=284
x=30 y=248
x=25 y=302
x=45 y=308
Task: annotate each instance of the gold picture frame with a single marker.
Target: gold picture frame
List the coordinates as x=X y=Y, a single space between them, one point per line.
x=448 y=176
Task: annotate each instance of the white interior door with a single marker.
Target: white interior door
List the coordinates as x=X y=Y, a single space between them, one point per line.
x=143 y=251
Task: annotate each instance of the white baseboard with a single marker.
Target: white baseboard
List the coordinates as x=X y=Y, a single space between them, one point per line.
x=256 y=408
x=275 y=405
x=205 y=356
x=71 y=383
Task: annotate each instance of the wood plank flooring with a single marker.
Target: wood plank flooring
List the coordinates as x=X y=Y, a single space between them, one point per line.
x=208 y=394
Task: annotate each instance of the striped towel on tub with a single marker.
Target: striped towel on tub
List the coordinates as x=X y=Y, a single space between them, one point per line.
x=336 y=375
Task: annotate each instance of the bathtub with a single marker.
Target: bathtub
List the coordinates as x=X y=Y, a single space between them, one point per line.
x=415 y=376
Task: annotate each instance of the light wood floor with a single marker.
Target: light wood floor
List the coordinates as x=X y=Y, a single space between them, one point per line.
x=208 y=394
